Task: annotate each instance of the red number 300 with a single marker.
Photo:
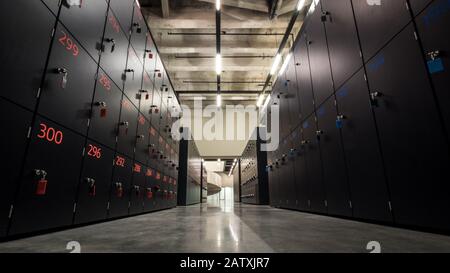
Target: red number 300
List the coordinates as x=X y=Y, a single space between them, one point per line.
x=50 y=134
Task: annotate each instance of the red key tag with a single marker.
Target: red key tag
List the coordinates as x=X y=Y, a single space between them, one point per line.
x=92 y=190
x=103 y=112
x=149 y=194
x=150 y=55
x=41 y=188
x=119 y=192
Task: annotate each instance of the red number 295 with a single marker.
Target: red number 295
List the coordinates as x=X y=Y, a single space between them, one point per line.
x=50 y=134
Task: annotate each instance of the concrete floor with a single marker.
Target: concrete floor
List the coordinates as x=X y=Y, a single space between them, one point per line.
x=244 y=228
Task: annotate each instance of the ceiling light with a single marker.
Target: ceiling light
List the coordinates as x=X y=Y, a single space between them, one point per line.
x=275 y=65
x=285 y=64
x=260 y=100
x=219 y=100
x=300 y=5
x=218 y=64
x=218 y=4
x=267 y=101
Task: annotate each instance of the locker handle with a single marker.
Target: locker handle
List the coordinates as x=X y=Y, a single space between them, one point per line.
x=129 y=70
x=111 y=40
x=325 y=15
x=64 y=72
x=433 y=54
x=100 y=104
x=138 y=27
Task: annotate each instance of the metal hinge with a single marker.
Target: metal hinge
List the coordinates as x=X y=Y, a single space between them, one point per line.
x=365 y=77
x=326 y=203
x=415 y=36
x=407 y=5
x=11 y=209
x=38 y=93
x=84 y=150
x=88 y=122
x=107 y=206
x=350 y=204
x=74 y=207
x=29 y=132
x=390 y=205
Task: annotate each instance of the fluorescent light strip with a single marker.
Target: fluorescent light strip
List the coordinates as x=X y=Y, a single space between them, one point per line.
x=218 y=64
x=260 y=100
x=219 y=100
x=218 y=4
x=285 y=64
x=300 y=5
x=275 y=65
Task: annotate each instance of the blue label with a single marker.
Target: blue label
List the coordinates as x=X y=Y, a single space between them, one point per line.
x=339 y=124
x=377 y=62
x=321 y=111
x=305 y=124
x=343 y=92
x=435 y=66
x=435 y=12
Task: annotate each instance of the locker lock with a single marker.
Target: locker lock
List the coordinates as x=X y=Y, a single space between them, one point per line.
x=119 y=190
x=319 y=133
x=325 y=16
x=292 y=152
x=137 y=190
x=125 y=124
x=433 y=54
x=138 y=27
x=64 y=72
x=41 y=187
x=113 y=42
x=150 y=54
x=91 y=184
x=143 y=91
x=129 y=70
x=339 y=121
x=140 y=137
x=100 y=104
x=149 y=193
x=373 y=98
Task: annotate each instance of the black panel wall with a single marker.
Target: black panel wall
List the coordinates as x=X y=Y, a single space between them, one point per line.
x=83 y=138
x=372 y=142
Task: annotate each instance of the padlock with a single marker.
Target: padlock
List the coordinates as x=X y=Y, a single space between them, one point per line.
x=149 y=193
x=119 y=190
x=339 y=121
x=138 y=27
x=137 y=190
x=41 y=187
x=150 y=54
x=64 y=73
x=125 y=124
x=102 y=106
x=112 y=41
x=374 y=98
x=129 y=70
x=91 y=185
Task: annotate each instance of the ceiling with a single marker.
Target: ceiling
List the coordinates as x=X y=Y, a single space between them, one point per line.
x=252 y=31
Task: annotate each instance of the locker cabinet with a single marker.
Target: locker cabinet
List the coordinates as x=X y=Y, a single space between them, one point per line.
x=123 y=10
x=150 y=56
x=142 y=140
x=418 y=5
x=133 y=78
x=139 y=33
x=334 y=168
x=316 y=186
x=50 y=178
x=126 y=132
x=369 y=192
x=305 y=93
x=114 y=50
x=342 y=39
x=137 y=189
x=86 y=23
x=412 y=140
x=105 y=111
x=15 y=123
x=94 y=185
x=322 y=82
x=28 y=26
x=53 y=5
x=301 y=174
x=377 y=24
x=292 y=95
x=69 y=83
x=432 y=24
x=120 y=188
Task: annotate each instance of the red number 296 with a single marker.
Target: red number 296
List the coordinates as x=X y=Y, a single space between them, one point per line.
x=94 y=151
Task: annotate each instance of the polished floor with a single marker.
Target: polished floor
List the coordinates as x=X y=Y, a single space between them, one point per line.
x=222 y=228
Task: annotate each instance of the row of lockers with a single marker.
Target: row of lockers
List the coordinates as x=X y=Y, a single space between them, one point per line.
x=253 y=177
x=373 y=144
x=88 y=107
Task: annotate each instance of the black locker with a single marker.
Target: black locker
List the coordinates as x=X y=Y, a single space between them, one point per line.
x=322 y=82
x=290 y=183
x=433 y=24
x=368 y=188
x=342 y=39
x=123 y=9
x=155 y=110
x=105 y=111
x=418 y=5
x=120 y=188
x=277 y=176
x=28 y=27
x=94 y=185
x=412 y=140
x=317 y=192
x=282 y=102
x=153 y=147
x=133 y=78
x=377 y=24
x=53 y=5
x=15 y=123
x=69 y=84
x=301 y=174
x=137 y=189
x=142 y=140
x=48 y=188
x=334 y=172
x=147 y=96
x=139 y=33
x=150 y=57
x=114 y=51
x=158 y=75
x=126 y=139
x=305 y=93
x=86 y=23
x=292 y=95
x=149 y=190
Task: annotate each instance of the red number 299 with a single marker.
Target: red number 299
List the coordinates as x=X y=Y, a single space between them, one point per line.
x=68 y=43
x=50 y=134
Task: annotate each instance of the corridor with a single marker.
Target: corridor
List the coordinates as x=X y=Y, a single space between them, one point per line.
x=224 y=229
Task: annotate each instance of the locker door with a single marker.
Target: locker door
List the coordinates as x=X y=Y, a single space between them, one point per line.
x=377 y=24
x=290 y=171
x=281 y=95
x=105 y=111
x=155 y=110
x=342 y=40
x=147 y=97
x=153 y=147
x=150 y=56
x=119 y=194
x=158 y=191
x=50 y=178
x=126 y=139
x=139 y=33
x=414 y=147
x=15 y=121
x=314 y=167
x=133 y=78
x=159 y=79
x=287 y=176
x=293 y=101
x=301 y=174
x=369 y=193
x=142 y=140
x=418 y=5
x=137 y=189
x=69 y=83
x=114 y=51
x=28 y=26
x=86 y=23
x=149 y=190
x=123 y=9
x=305 y=93
x=322 y=82
x=53 y=5
x=95 y=182
x=432 y=25
x=334 y=172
